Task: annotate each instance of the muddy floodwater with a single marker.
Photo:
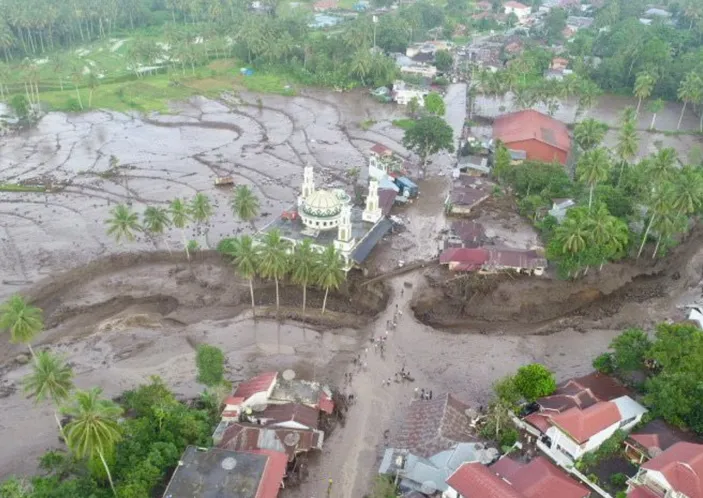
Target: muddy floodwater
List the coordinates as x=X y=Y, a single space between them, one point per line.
x=120 y=313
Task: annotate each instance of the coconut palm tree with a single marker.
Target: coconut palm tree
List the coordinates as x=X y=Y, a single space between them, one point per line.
x=644 y=84
x=655 y=107
x=330 y=274
x=201 y=211
x=592 y=169
x=304 y=267
x=688 y=92
x=588 y=93
x=94 y=430
x=667 y=224
x=606 y=232
x=573 y=234
x=245 y=260
x=245 y=204
x=273 y=258
x=662 y=167
x=660 y=203
x=123 y=223
x=22 y=320
x=627 y=146
x=155 y=221
x=180 y=216
x=51 y=379
x=688 y=191
x=589 y=133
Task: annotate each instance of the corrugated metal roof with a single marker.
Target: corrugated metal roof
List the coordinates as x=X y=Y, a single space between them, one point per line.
x=363 y=250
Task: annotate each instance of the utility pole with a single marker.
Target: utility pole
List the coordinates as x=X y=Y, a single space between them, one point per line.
x=375 y=22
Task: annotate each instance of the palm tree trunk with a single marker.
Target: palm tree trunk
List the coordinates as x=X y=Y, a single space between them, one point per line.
x=58 y=422
x=656 y=248
x=78 y=94
x=324 y=301
x=590 y=197
x=305 y=297
x=278 y=302
x=683 y=110
x=639 y=103
x=646 y=233
x=31 y=351
x=185 y=244
x=107 y=470
x=654 y=118
x=251 y=291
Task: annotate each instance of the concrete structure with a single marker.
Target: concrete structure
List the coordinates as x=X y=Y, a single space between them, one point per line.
x=541 y=137
x=675 y=473
x=583 y=413
x=508 y=478
x=423 y=70
x=327 y=217
x=217 y=473
x=403 y=93
x=487 y=261
x=520 y=10
x=560 y=207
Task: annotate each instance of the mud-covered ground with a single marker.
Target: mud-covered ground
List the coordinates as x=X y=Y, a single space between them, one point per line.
x=123 y=313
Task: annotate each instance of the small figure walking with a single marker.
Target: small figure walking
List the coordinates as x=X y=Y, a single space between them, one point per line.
x=430 y=394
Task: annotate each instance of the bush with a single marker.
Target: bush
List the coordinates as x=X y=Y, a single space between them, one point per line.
x=508 y=437
x=72 y=105
x=211 y=365
x=618 y=480
x=534 y=381
x=604 y=363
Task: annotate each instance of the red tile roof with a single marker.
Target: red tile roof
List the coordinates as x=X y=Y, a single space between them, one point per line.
x=325 y=403
x=274 y=472
x=538 y=420
x=381 y=150
x=475 y=479
x=641 y=492
x=538 y=479
x=515 y=258
x=325 y=5
x=583 y=424
x=431 y=426
x=515 y=5
x=682 y=466
x=531 y=125
x=472 y=256
x=257 y=384
x=583 y=392
x=290 y=412
x=658 y=434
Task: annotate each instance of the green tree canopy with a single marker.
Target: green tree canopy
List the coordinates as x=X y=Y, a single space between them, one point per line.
x=434 y=104
x=429 y=136
x=443 y=60
x=534 y=381
x=21 y=319
x=210 y=361
x=629 y=349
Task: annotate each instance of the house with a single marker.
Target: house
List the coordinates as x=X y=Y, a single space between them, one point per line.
x=385 y=166
x=465 y=233
x=675 y=473
x=541 y=137
x=324 y=5
x=474 y=165
x=581 y=414
x=429 y=475
x=484 y=5
x=464 y=259
x=218 y=473
x=466 y=193
x=403 y=93
x=292 y=442
x=579 y=22
x=560 y=208
x=423 y=70
x=508 y=478
x=559 y=63
x=520 y=10
x=653 y=439
x=433 y=426
x=514 y=48
x=655 y=12
x=518 y=260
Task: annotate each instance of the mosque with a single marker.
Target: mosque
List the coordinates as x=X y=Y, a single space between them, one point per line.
x=328 y=217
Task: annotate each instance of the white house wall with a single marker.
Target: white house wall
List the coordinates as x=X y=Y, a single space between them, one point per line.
x=560 y=439
x=451 y=493
x=595 y=441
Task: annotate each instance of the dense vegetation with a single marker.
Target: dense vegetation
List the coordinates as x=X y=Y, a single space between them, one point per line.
x=672 y=364
x=621 y=205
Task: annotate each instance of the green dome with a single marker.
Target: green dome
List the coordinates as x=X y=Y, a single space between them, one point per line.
x=323 y=204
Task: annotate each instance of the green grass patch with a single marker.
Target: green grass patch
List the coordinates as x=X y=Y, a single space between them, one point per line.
x=15 y=187
x=404 y=123
x=265 y=83
x=367 y=124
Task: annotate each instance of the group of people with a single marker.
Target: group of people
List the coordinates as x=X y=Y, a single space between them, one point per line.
x=423 y=394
